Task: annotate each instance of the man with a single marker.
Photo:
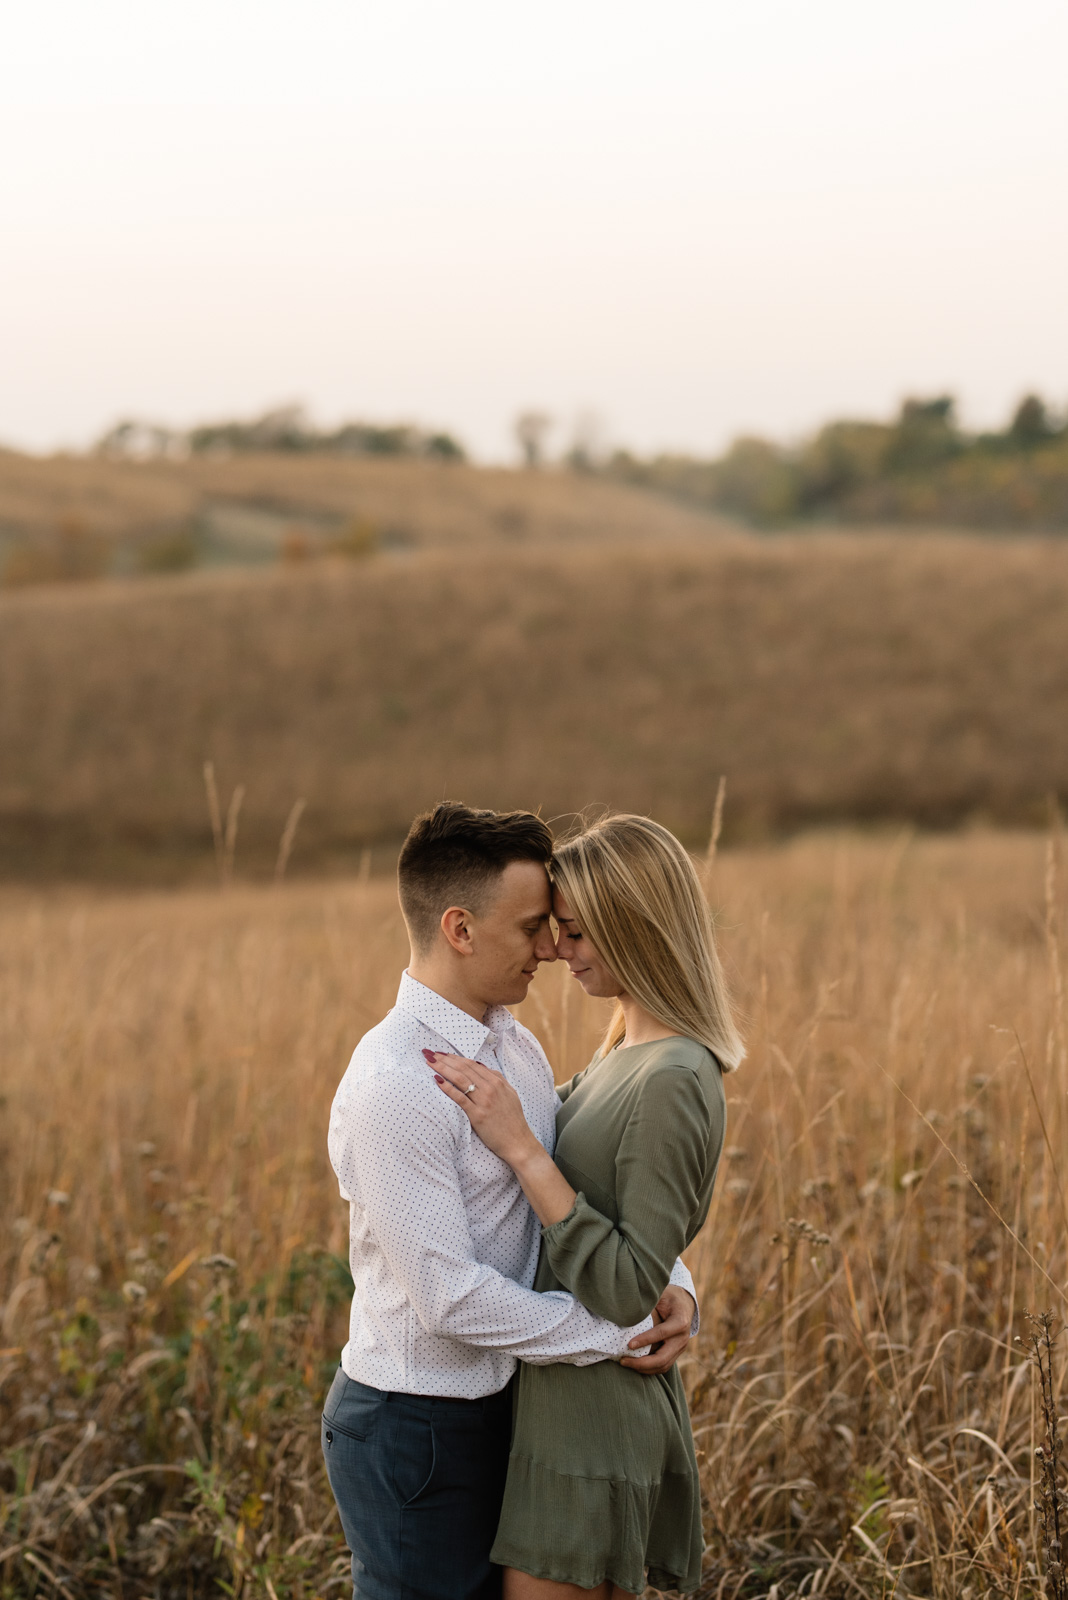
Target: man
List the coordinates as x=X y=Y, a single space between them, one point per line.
x=443 y=1244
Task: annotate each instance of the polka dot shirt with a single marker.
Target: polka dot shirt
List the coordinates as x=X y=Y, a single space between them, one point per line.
x=443 y=1245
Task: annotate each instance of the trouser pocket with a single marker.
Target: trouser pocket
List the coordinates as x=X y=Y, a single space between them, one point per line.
x=351 y=1408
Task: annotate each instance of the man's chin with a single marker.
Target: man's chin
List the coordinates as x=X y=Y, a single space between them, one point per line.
x=518 y=991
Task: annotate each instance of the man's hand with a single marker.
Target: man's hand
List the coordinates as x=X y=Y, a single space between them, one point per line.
x=674 y=1313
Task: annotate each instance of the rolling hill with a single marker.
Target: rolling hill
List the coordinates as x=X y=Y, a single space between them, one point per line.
x=826 y=676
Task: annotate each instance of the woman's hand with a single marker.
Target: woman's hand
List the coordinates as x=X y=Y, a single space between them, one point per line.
x=495 y=1112
x=489 y=1102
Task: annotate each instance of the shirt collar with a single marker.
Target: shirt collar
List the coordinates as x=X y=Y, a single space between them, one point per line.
x=459 y=1028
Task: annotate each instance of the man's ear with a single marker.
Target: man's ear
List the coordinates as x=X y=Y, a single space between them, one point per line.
x=455 y=925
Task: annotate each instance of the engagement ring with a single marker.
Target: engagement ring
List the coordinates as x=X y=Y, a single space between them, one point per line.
x=470 y=1089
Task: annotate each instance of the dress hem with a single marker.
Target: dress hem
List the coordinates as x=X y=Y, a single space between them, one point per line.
x=655 y=1576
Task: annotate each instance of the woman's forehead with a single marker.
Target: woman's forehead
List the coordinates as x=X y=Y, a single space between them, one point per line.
x=561 y=910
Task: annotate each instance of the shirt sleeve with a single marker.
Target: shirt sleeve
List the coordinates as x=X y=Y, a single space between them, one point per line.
x=395 y=1156
x=621 y=1269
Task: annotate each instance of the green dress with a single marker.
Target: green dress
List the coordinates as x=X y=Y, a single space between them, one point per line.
x=602 y=1477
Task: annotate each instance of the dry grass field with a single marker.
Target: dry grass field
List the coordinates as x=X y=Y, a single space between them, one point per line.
x=173 y=1285
x=828 y=677
x=120 y=508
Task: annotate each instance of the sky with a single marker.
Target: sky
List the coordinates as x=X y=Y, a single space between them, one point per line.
x=686 y=219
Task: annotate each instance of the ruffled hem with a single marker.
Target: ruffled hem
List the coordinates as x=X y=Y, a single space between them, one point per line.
x=654 y=1578
x=579 y=1530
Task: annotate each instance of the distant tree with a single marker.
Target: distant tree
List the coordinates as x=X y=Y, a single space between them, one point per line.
x=941 y=410
x=841 y=457
x=444 y=447
x=287 y=428
x=132 y=440
x=398 y=440
x=283 y=428
x=531 y=430
x=1031 y=424
x=757 y=479
x=926 y=433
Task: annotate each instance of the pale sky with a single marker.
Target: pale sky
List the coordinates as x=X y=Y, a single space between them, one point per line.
x=691 y=218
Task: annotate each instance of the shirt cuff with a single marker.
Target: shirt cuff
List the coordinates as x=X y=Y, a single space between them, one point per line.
x=680 y=1275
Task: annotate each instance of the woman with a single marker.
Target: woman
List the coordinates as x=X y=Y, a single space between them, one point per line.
x=602 y=1492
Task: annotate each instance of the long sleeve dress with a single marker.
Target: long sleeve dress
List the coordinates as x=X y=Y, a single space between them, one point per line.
x=602 y=1477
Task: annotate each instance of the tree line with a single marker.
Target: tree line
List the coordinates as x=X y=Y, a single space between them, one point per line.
x=285 y=429
x=921 y=467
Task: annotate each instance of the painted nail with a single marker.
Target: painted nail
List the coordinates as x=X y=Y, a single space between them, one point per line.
x=429 y=1054
x=438 y=1078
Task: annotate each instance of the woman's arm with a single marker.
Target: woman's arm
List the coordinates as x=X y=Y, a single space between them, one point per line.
x=660 y=1169
x=496 y=1113
x=617 y=1269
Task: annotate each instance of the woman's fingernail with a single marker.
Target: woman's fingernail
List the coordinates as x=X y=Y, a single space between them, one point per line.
x=430 y=1054
x=438 y=1078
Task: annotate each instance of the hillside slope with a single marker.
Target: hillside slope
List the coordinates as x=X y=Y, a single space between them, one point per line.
x=827 y=677
x=87 y=515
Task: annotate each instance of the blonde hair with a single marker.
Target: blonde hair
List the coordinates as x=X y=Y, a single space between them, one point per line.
x=636 y=893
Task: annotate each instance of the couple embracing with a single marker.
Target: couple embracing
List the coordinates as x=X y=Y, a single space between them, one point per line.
x=507 y=1412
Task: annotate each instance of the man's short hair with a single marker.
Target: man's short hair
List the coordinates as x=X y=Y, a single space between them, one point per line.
x=453 y=856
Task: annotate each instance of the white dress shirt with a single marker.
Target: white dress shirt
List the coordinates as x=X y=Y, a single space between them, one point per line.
x=443 y=1244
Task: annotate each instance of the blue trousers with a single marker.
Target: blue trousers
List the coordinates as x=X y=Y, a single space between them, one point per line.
x=418 y=1483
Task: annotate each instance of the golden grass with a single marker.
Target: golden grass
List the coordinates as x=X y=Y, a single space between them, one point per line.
x=826 y=676
x=426 y=503
x=171 y=1228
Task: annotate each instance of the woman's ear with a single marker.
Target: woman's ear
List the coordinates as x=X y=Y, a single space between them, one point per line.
x=455 y=925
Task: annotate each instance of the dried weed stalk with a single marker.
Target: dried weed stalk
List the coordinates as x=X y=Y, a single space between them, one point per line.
x=1052 y=1502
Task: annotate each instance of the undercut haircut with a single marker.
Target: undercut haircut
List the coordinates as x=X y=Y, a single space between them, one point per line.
x=453 y=856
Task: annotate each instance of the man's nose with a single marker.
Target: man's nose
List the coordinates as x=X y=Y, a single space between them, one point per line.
x=545 y=948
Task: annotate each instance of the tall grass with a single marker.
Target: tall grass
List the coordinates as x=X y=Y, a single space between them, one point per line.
x=891 y=1201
